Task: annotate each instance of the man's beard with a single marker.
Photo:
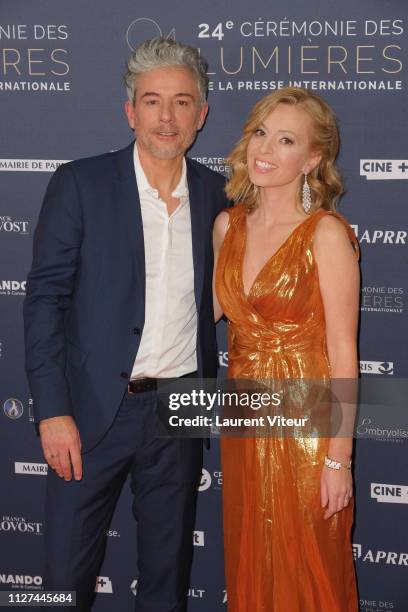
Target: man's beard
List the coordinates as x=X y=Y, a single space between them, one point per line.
x=165 y=150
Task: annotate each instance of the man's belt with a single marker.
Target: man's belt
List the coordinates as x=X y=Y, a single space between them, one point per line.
x=142 y=385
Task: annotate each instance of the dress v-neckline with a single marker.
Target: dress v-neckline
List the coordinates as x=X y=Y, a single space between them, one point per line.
x=267 y=262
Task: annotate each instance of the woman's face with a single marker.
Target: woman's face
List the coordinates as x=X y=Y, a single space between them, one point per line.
x=279 y=152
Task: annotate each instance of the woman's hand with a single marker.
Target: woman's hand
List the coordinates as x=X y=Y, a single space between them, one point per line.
x=336 y=490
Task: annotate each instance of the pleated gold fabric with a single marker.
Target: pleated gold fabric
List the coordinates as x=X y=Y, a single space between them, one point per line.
x=280 y=554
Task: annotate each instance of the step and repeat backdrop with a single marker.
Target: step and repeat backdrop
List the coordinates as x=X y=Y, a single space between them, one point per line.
x=61 y=97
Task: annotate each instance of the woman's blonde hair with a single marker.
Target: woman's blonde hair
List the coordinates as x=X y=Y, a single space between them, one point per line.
x=324 y=180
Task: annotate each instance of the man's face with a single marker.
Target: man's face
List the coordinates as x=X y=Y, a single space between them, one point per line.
x=166 y=112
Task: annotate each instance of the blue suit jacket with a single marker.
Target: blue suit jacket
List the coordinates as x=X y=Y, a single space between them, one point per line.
x=85 y=306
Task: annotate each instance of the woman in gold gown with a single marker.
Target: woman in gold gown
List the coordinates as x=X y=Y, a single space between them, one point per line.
x=287 y=279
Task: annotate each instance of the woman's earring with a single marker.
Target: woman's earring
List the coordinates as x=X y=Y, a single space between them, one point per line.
x=306 y=196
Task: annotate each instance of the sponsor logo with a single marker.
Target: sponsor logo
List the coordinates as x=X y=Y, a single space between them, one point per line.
x=8 y=225
x=196 y=593
x=12 y=287
x=389 y=493
x=35 y=58
x=382 y=299
x=21 y=581
x=112 y=533
x=377 y=367
x=39 y=469
x=217 y=476
x=317 y=54
x=368 y=429
x=224 y=596
x=19 y=524
x=142 y=28
x=373 y=605
x=223 y=359
x=198 y=538
x=31 y=409
x=205 y=482
x=357 y=551
x=382 y=557
x=218 y=164
x=384 y=169
x=380 y=236
x=213 y=479
x=268 y=50
x=103 y=585
x=31 y=165
x=13 y=408
x=133 y=586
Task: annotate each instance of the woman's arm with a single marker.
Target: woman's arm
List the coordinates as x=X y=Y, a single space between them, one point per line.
x=339 y=281
x=219 y=231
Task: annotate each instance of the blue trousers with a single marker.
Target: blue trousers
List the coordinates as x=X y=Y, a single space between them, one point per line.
x=164 y=473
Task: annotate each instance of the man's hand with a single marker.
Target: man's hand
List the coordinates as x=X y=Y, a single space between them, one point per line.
x=62 y=446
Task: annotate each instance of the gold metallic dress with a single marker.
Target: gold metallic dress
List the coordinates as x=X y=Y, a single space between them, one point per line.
x=280 y=554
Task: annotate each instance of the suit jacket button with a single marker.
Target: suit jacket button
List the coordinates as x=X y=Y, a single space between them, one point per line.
x=124 y=375
x=137 y=331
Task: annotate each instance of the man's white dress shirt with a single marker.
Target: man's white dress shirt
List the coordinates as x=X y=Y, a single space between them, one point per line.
x=168 y=344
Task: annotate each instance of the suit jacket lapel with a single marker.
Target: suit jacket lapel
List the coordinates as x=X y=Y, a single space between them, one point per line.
x=129 y=205
x=197 y=210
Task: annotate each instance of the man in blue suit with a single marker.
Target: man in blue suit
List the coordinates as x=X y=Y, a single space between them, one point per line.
x=119 y=296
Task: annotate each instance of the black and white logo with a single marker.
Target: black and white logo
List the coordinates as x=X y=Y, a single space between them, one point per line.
x=205 y=482
x=103 y=585
x=37 y=469
x=144 y=28
x=382 y=299
x=198 y=538
x=35 y=58
x=13 y=408
x=389 y=493
x=133 y=586
x=12 y=287
x=377 y=367
x=196 y=593
x=21 y=581
x=384 y=169
x=8 y=225
x=380 y=236
x=19 y=524
x=223 y=359
x=383 y=557
x=218 y=164
x=30 y=165
x=369 y=428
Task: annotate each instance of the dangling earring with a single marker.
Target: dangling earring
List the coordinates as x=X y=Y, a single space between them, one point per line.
x=306 y=196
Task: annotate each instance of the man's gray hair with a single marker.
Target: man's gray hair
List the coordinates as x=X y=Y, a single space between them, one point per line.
x=164 y=53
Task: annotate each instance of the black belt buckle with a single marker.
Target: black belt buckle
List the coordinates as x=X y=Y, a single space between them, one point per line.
x=141 y=385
